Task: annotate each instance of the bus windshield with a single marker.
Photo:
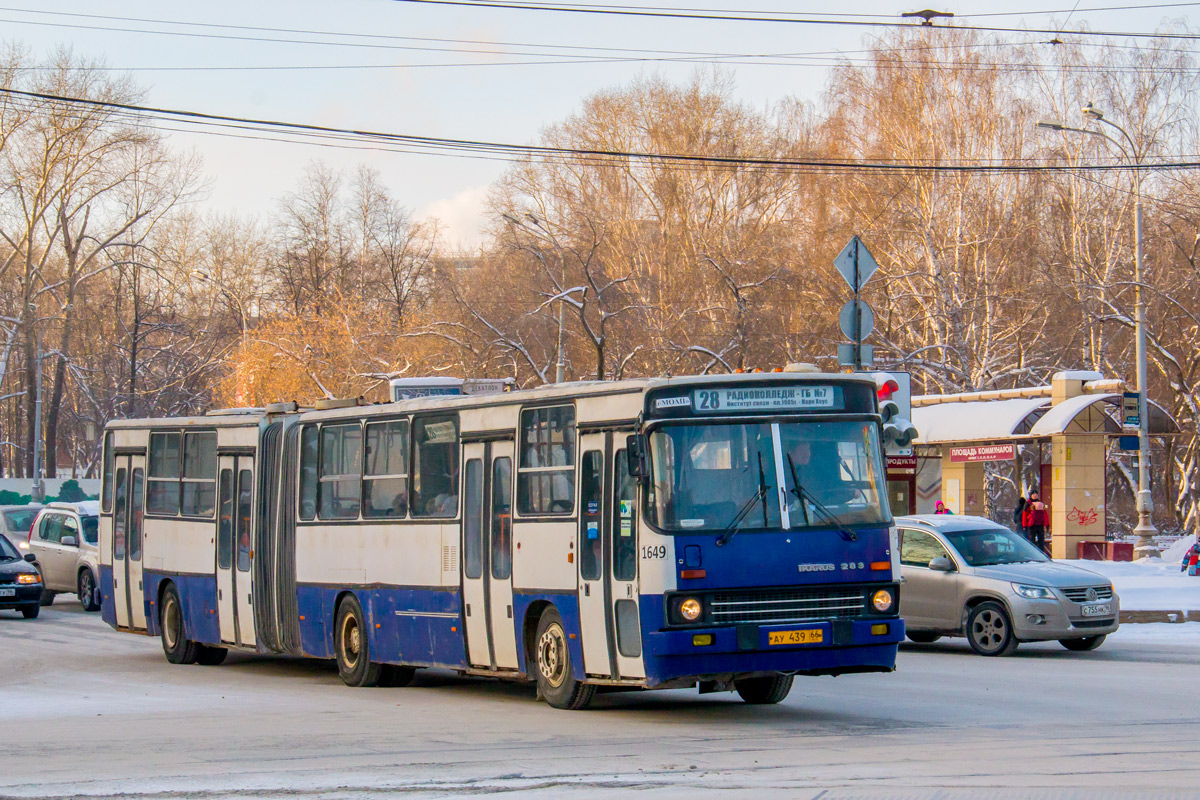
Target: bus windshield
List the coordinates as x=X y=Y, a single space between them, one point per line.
x=705 y=475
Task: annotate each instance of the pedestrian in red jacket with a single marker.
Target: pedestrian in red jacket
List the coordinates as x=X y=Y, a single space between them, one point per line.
x=1034 y=520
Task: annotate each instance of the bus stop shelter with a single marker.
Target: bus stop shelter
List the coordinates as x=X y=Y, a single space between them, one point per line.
x=1073 y=419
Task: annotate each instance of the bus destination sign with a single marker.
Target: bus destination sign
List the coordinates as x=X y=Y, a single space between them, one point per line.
x=764 y=398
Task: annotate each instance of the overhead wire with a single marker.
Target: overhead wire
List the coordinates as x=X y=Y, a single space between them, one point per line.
x=599 y=156
x=639 y=11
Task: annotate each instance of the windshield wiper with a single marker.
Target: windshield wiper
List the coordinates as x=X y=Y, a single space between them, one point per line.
x=758 y=496
x=822 y=511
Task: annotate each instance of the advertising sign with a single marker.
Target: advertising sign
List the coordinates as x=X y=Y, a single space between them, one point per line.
x=983 y=452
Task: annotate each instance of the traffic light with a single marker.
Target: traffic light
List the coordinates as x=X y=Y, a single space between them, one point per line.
x=894 y=392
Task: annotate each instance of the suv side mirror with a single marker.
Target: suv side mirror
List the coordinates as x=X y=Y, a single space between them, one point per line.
x=941 y=564
x=69 y=541
x=31 y=558
x=635 y=451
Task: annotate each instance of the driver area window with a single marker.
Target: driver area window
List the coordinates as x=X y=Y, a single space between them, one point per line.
x=918 y=548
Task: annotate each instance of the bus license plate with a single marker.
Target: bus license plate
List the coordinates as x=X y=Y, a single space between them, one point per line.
x=8 y=592
x=807 y=636
x=1097 y=610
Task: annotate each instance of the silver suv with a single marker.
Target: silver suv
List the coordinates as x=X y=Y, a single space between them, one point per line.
x=64 y=540
x=968 y=576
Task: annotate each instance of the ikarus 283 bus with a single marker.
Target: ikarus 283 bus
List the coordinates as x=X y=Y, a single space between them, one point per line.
x=720 y=532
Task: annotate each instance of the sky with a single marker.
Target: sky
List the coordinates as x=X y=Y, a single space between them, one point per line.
x=449 y=88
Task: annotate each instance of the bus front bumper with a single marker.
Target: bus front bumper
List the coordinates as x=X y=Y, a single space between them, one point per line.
x=820 y=648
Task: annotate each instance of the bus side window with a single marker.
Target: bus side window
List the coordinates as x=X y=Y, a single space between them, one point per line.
x=546 y=470
x=591 y=495
x=385 y=482
x=340 y=484
x=162 y=480
x=107 y=475
x=435 y=467
x=308 y=472
x=473 y=518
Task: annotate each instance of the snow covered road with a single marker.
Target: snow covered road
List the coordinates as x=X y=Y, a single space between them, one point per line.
x=89 y=712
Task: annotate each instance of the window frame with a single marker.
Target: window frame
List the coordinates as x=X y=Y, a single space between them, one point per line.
x=413 y=496
x=108 y=473
x=300 y=511
x=183 y=479
x=570 y=469
x=406 y=475
x=945 y=550
x=341 y=476
x=184 y=435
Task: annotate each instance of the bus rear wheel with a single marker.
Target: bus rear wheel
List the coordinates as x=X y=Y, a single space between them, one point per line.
x=554 y=671
x=766 y=690
x=352 y=646
x=179 y=648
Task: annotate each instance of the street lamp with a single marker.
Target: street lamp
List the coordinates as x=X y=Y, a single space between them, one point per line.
x=1145 y=504
x=560 y=367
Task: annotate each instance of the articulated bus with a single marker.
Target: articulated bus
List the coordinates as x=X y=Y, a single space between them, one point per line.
x=720 y=532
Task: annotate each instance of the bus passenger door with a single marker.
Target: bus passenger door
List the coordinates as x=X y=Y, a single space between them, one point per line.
x=129 y=602
x=500 y=545
x=623 y=568
x=235 y=554
x=244 y=551
x=593 y=598
x=120 y=523
x=474 y=560
x=135 y=528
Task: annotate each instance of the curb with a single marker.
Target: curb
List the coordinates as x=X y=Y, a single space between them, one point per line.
x=1128 y=617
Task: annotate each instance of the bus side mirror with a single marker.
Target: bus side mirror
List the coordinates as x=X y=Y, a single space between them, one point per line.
x=635 y=452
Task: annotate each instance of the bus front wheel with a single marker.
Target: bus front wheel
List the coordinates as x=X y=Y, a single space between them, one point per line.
x=554 y=671
x=765 y=690
x=353 y=647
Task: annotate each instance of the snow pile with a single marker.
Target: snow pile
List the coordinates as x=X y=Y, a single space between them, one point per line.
x=1149 y=584
x=1174 y=553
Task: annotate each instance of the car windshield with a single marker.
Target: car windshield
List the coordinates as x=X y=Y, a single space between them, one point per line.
x=91 y=529
x=707 y=476
x=19 y=520
x=7 y=551
x=987 y=547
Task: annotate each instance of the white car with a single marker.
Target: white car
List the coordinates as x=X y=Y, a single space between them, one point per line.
x=64 y=540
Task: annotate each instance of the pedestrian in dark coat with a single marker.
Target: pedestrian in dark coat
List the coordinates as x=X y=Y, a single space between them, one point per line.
x=1018 y=516
x=1035 y=519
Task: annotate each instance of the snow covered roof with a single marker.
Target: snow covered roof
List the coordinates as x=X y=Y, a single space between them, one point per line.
x=976 y=420
x=1023 y=418
x=1061 y=417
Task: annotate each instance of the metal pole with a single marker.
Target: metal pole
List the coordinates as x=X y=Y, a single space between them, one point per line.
x=558 y=370
x=857 y=314
x=1145 y=529
x=38 y=493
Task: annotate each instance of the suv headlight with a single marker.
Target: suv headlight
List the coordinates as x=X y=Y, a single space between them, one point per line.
x=1033 y=592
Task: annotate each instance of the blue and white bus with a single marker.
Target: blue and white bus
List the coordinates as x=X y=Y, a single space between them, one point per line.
x=726 y=532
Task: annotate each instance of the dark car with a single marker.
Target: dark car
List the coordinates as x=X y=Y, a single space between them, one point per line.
x=20 y=582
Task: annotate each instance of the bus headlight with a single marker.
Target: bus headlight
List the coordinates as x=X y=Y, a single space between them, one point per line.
x=883 y=600
x=690 y=609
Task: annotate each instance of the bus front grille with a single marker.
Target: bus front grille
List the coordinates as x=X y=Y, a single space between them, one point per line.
x=795 y=605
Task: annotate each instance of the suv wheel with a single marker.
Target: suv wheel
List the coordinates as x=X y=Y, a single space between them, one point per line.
x=990 y=631
x=87 y=591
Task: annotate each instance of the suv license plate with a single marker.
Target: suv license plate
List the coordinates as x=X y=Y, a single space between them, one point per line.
x=8 y=592
x=1097 y=610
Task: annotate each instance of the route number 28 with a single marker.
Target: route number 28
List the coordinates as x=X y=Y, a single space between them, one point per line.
x=654 y=551
x=708 y=401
